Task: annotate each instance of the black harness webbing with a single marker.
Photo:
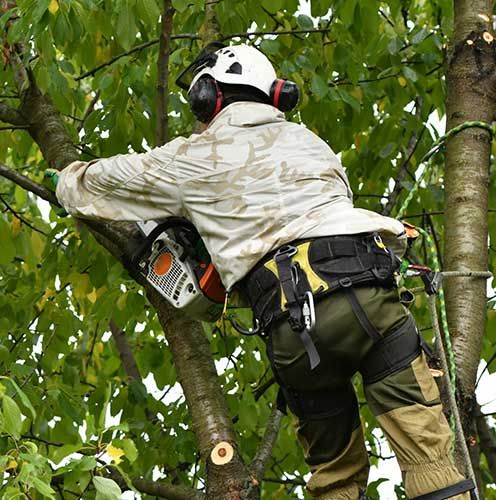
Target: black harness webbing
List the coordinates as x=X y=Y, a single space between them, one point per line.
x=449 y=491
x=360 y=314
x=295 y=285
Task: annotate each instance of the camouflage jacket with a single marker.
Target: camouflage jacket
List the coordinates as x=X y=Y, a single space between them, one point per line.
x=250 y=183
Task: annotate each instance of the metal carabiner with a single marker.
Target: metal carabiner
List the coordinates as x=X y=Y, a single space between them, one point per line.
x=308 y=311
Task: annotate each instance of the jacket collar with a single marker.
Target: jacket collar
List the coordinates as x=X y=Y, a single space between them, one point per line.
x=247 y=114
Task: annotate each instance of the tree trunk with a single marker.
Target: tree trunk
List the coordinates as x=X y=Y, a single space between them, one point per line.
x=470 y=81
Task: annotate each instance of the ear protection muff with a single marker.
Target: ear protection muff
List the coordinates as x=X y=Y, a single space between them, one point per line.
x=284 y=94
x=205 y=98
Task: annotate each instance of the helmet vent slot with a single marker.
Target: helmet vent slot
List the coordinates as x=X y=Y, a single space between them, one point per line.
x=235 y=68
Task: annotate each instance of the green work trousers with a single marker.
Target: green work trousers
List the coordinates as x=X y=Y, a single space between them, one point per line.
x=406 y=403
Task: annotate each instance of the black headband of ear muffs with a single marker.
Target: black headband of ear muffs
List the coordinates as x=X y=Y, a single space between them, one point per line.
x=206 y=58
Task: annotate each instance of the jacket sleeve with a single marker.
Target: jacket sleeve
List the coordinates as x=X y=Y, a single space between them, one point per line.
x=127 y=187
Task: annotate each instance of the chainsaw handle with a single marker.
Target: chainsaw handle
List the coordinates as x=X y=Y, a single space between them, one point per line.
x=171 y=222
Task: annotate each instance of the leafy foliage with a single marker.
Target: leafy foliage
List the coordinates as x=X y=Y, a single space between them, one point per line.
x=369 y=84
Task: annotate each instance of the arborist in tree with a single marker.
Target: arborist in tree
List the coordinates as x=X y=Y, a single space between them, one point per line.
x=275 y=210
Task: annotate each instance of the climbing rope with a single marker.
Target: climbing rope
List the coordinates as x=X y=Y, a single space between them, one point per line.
x=448 y=363
x=434 y=149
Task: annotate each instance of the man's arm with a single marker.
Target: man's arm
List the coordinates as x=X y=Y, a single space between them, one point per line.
x=124 y=187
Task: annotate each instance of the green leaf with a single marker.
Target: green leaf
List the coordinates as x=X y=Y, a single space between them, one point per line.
x=44 y=488
x=21 y=196
x=39 y=10
x=126 y=27
x=149 y=11
x=12 y=422
x=130 y=449
x=270 y=46
x=7 y=247
x=420 y=36
x=347 y=12
x=272 y=5
x=305 y=22
x=180 y=5
x=319 y=86
x=137 y=392
x=410 y=74
x=24 y=399
x=106 y=489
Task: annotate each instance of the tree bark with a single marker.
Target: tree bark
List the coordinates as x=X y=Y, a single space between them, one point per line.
x=471 y=83
x=162 y=127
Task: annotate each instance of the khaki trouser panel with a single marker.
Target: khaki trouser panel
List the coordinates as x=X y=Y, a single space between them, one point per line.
x=407 y=408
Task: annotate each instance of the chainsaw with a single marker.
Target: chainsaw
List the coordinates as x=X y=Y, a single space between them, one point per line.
x=173 y=259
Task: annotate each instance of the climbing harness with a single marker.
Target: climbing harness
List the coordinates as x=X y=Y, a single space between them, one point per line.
x=288 y=282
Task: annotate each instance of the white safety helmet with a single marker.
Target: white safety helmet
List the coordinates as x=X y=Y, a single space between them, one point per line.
x=233 y=65
x=241 y=65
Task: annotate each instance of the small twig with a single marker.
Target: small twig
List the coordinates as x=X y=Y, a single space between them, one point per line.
x=386 y=17
x=259 y=391
x=340 y=81
x=435 y=238
x=137 y=48
x=89 y=110
x=248 y=34
x=15 y=127
x=273 y=17
x=491 y=359
x=19 y=217
x=413 y=143
x=296 y=481
x=31 y=373
x=381 y=457
x=191 y=36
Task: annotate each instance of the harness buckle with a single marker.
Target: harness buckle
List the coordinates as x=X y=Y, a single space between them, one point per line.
x=345 y=282
x=286 y=251
x=308 y=311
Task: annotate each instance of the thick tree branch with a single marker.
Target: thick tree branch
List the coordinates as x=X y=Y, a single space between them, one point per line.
x=11 y=115
x=28 y=184
x=115 y=237
x=162 y=123
x=266 y=445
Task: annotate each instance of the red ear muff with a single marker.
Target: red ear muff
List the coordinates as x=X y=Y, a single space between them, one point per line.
x=205 y=99
x=284 y=94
